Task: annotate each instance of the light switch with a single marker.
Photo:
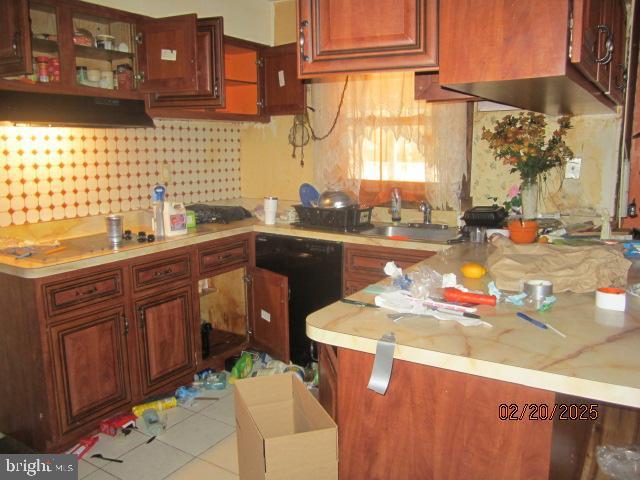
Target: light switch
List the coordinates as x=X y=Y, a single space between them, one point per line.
x=572 y=169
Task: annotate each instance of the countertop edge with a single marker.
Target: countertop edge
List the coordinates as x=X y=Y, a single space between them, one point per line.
x=590 y=389
x=39 y=271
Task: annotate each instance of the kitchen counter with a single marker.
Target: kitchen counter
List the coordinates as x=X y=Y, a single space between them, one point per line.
x=92 y=250
x=599 y=359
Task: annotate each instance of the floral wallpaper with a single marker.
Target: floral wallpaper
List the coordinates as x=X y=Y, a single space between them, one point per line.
x=49 y=173
x=593 y=138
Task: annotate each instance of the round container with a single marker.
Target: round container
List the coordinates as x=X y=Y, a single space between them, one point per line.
x=114 y=229
x=43 y=68
x=335 y=199
x=54 y=70
x=105 y=41
x=93 y=75
x=81 y=74
x=106 y=79
x=125 y=77
x=523 y=232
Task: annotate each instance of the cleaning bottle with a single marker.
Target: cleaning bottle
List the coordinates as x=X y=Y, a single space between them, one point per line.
x=157 y=201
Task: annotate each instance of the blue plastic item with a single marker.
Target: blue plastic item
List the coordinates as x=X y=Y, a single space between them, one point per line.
x=309 y=196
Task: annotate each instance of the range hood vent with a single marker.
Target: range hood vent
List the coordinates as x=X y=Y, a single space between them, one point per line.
x=71 y=110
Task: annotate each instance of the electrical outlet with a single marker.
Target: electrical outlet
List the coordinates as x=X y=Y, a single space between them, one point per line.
x=572 y=169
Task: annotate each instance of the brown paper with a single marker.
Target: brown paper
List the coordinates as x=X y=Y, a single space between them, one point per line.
x=571 y=269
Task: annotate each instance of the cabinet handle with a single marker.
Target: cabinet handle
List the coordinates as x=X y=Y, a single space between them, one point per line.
x=81 y=293
x=301 y=40
x=216 y=89
x=622 y=85
x=260 y=103
x=126 y=325
x=162 y=273
x=139 y=38
x=139 y=77
x=608 y=43
x=141 y=319
x=224 y=256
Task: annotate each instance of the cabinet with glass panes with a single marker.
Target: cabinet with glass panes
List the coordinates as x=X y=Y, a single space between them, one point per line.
x=74 y=47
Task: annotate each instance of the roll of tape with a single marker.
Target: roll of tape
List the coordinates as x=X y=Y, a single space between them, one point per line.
x=611 y=299
x=538 y=289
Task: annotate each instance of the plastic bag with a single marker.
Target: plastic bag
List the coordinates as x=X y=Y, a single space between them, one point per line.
x=620 y=463
x=425 y=282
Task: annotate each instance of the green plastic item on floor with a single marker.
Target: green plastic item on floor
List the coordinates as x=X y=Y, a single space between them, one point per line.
x=242 y=368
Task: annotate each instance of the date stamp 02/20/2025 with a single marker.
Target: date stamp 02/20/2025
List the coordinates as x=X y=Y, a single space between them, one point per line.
x=542 y=411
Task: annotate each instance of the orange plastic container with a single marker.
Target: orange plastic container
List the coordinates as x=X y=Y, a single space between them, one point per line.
x=523 y=232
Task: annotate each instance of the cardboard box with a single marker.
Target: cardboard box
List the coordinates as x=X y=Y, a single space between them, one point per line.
x=283 y=432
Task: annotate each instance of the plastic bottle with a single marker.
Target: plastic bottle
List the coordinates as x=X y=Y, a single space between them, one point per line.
x=157 y=199
x=164 y=404
x=396 y=205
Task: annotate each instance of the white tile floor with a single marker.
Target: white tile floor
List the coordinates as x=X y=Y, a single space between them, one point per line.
x=199 y=442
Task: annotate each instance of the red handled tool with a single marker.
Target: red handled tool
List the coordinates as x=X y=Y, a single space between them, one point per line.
x=455 y=295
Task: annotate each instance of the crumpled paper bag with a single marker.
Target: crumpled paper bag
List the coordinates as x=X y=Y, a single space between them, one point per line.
x=579 y=269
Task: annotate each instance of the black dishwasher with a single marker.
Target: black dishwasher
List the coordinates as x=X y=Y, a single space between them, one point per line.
x=314 y=270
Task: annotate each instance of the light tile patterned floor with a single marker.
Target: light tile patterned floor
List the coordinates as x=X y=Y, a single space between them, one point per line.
x=199 y=442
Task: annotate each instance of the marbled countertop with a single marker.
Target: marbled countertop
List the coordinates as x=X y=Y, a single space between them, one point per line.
x=92 y=250
x=599 y=359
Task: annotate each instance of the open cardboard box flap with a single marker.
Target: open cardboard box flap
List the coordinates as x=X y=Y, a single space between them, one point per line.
x=283 y=432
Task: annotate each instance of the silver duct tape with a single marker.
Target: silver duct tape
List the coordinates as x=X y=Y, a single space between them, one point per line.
x=383 y=363
x=538 y=289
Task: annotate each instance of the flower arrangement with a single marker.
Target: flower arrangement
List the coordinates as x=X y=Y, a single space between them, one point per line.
x=513 y=202
x=519 y=141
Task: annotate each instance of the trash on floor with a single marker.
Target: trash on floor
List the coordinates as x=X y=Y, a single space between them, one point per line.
x=121 y=421
x=242 y=368
x=152 y=422
x=81 y=448
x=163 y=404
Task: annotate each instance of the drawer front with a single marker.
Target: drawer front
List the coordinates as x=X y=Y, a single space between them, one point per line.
x=160 y=272
x=371 y=261
x=62 y=297
x=223 y=255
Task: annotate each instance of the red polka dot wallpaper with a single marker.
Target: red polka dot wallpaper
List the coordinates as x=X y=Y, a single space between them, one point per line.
x=49 y=173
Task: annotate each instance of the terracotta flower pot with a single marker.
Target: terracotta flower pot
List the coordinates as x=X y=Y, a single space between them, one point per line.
x=523 y=232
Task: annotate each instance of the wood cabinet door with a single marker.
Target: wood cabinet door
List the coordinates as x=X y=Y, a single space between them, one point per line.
x=427 y=87
x=269 y=317
x=165 y=345
x=284 y=93
x=91 y=366
x=210 y=68
x=359 y=35
x=328 y=379
x=15 y=38
x=618 y=70
x=588 y=50
x=167 y=55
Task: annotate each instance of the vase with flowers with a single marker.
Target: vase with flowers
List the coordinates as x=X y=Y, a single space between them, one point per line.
x=519 y=142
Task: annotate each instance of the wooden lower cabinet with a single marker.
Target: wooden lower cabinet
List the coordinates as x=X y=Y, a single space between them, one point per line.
x=165 y=338
x=328 y=379
x=91 y=366
x=364 y=264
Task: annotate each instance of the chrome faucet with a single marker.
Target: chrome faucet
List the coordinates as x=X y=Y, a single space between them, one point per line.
x=425 y=208
x=396 y=205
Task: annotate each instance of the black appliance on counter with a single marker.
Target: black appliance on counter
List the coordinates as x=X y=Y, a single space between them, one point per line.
x=314 y=270
x=345 y=219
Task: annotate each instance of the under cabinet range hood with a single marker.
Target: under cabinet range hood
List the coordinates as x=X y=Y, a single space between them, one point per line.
x=71 y=110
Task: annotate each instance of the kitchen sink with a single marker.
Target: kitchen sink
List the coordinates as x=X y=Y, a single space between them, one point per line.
x=434 y=234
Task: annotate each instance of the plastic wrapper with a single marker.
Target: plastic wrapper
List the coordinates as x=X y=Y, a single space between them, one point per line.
x=619 y=463
x=425 y=282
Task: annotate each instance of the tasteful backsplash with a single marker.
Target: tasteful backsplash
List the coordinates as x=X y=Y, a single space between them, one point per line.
x=49 y=173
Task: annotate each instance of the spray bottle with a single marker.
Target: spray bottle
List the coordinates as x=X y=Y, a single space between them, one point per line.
x=157 y=199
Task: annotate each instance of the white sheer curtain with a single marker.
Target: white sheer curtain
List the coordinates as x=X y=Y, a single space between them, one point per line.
x=384 y=134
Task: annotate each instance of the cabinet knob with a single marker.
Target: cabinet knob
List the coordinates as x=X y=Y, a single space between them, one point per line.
x=301 y=40
x=139 y=77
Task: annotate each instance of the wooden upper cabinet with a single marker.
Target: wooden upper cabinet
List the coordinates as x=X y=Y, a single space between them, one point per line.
x=618 y=71
x=427 y=87
x=284 y=93
x=15 y=38
x=269 y=317
x=338 y=36
x=210 y=68
x=587 y=44
x=167 y=51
